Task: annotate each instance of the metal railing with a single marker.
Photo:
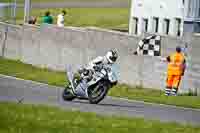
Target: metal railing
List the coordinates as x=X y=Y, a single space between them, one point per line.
x=8 y=12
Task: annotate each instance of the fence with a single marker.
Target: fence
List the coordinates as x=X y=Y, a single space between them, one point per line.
x=10 y=11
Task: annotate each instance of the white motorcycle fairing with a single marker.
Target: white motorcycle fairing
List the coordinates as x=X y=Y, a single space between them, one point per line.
x=80 y=90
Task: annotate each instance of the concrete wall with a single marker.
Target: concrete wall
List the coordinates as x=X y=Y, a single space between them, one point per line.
x=194 y=62
x=54 y=47
x=12 y=47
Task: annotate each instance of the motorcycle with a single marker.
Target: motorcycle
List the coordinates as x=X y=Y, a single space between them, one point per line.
x=95 y=88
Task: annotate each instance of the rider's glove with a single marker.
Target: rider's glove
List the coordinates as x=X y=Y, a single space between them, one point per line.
x=97 y=67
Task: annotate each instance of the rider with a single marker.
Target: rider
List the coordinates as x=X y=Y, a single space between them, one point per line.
x=110 y=58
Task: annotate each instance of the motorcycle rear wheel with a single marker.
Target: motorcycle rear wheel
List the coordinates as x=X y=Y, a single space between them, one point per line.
x=100 y=90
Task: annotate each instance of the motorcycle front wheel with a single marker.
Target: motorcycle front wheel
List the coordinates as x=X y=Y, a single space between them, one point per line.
x=67 y=94
x=98 y=92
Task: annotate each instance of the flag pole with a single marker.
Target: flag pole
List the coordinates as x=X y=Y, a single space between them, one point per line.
x=27 y=9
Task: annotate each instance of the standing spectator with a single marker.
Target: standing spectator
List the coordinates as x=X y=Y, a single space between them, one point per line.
x=32 y=20
x=47 y=19
x=176 y=68
x=61 y=19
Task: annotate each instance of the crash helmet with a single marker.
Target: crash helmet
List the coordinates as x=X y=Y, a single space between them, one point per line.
x=111 y=56
x=178 y=49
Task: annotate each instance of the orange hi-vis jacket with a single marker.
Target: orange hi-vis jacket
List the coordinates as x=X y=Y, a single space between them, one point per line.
x=176 y=64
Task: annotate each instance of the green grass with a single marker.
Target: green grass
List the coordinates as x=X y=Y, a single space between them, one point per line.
x=155 y=96
x=82 y=17
x=25 y=71
x=108 y=18
x=34 y=1
x=19 y=118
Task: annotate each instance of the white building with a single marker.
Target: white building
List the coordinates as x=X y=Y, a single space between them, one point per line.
x=166 y=17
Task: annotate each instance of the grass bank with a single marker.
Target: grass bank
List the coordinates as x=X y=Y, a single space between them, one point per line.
x=19 y=118
x=108 y=18
x=35 y=1
x=25 y=71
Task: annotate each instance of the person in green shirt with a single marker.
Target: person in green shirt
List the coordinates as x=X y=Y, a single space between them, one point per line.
x=47 y=19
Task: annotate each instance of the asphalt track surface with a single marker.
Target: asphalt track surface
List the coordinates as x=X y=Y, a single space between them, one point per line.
x=23 y=91
x=79 y=4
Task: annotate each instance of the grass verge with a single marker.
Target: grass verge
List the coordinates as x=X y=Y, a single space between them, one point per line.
x=25 y=71
x=21 y=118
x=83 y=17
x=40 y=1
x=154 y=96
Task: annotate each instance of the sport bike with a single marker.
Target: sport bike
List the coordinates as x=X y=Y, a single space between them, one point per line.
x=93 y=88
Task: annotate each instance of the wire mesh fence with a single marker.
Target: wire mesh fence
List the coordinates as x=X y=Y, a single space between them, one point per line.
x=10 y=10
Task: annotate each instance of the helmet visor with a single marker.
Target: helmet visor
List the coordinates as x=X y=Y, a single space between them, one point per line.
x=113 y=58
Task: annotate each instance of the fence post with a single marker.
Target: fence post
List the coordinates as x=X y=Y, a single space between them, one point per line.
x=27 y=9
x=4 y=40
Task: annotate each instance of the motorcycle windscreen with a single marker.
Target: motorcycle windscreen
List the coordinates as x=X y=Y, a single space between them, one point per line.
x=71 y=70
x=113 y=75
x=70 y=73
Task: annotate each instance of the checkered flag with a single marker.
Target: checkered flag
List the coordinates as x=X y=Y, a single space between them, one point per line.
x=150 y=46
